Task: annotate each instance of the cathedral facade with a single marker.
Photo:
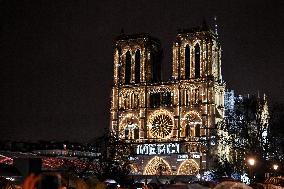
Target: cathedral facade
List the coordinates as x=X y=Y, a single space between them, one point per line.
x=171 y=125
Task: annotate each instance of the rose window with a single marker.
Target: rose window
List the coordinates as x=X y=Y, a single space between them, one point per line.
x=161 y=125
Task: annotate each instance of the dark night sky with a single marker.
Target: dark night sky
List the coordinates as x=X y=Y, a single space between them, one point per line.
x=56 y=56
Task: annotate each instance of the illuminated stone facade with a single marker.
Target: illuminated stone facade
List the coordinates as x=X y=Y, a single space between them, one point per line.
x=170 y=124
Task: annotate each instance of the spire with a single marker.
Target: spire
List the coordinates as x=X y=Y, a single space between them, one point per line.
x=216 y=26
x=264 y=97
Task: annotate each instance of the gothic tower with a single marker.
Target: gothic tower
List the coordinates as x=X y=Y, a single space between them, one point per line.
x=136 y=64
x=171 y=125
x=197 y=70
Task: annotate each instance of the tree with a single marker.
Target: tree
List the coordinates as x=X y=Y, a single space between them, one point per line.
x=276 y=133
x=245 y=130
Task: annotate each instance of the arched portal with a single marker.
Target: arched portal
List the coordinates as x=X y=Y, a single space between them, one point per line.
x=157 y=166
x=188 y=167
x=129 y=127
x=191 y=125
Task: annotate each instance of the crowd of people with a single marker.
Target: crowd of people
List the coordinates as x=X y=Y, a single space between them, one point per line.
x=65 y=181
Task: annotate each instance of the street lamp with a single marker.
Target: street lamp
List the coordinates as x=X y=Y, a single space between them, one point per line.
x=251 y=162
x=275 y=167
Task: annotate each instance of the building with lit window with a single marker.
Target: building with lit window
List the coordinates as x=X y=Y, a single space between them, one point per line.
x=170 y=124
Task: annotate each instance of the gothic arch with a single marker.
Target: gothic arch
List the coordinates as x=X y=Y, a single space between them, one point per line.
x=197 y=60
x=128 y=127
x=127 y=75
x=137 y=65
x=187 y=61
x=133 y=168
x=191 y=124
x=135 y=100
x=188 y=167
x=157 y=166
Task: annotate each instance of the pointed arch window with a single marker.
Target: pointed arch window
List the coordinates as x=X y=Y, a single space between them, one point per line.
x=127 y=68
x=187 y=62
x=197 y=60
x=137 y=66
